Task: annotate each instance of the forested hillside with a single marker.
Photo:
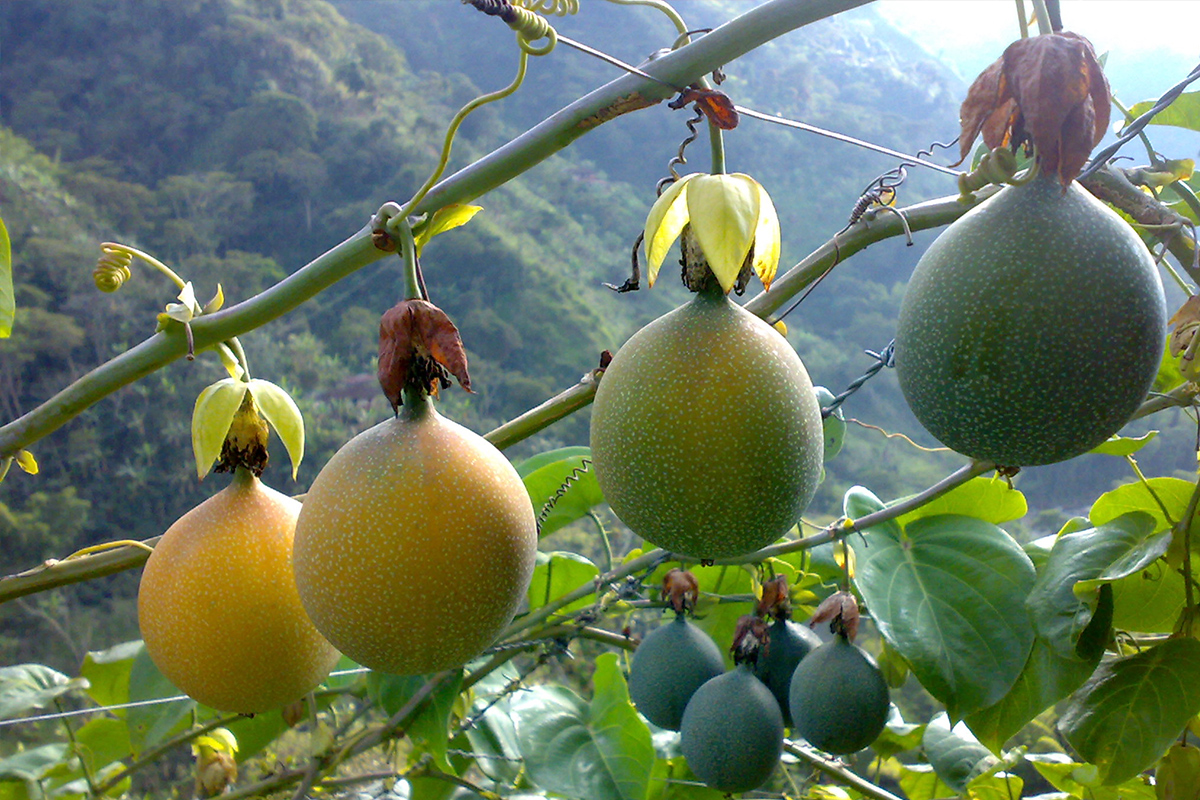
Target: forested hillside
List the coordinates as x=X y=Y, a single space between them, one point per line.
x=238 y=139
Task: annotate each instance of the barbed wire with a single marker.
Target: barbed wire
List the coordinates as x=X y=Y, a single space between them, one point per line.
x=1138 y=125
x=884 y=358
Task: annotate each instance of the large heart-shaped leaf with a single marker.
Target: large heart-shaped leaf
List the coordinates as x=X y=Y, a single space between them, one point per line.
x=25 y=687
x=1065 y=595
x=1149 y=601
x=948 y=595
x=1047 y=678
x=592 y=751
x=1151 y=497
x=1131 y=710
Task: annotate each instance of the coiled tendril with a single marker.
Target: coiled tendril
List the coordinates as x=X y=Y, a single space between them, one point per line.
x=528 y=25
x=112 y=268
x=559 y=8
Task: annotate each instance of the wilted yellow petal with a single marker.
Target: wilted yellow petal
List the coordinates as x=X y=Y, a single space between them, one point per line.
x=211 y=417
x=220 y=740
x=215 y=304
x=766 y=239
x=724 y=214
x=285 y=417
x=27 y=462
x=229 y=360
x=666 y=219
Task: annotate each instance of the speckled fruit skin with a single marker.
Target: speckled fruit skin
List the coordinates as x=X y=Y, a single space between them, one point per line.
x=415 y=545
x=787 y=644
x=218 y=607
x=839 y=698
x=671 y=663
x=732 y=732
x=1032 y=327
x=706 y=434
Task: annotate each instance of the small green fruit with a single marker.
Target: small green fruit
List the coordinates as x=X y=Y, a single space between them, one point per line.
x=706 y=436
x=839 y=699
x=671 y=663
x=732 y=732
x=1032 y=328
x=787 y=644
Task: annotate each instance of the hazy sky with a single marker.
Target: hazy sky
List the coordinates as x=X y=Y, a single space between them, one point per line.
x=1138 y=35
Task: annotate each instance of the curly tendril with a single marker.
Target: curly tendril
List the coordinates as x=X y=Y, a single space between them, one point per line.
x=112 y=268
x=558 y=8
x=528 y=25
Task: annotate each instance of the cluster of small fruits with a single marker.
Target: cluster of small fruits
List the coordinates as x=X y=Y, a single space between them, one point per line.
x=731 y=723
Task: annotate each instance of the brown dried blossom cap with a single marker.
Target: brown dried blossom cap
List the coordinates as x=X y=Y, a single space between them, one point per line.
x=1047 y=90
x=419 y=347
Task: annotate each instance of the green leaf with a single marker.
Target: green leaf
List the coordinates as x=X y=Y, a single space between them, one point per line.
x=950 y=599
x=992 y=500
x=26 y=687
x=1131 y=710
x=558 y=573
x=151 y=724
x=672 y=779
x=1169 y=373
x=920 y=782
x=1066 y=592
x=8 y=302
x=859 y=501
x=954 y=753
x=1172 y=493
x=999 y=786
x=254 y=733
x=1184 y=112
x=580 y=495
x=1046 y=678
x=1123 y=445
x=281 y=411
x=429 y=729
x=536 y=462
x=211 y=418
x=446 y=218
x=107 y=673
x=27 y=767
x=598 y=751
x=898 y=736
x=1067 y=776
x=1149 y=601
x=102 y=741
x=1177 y=776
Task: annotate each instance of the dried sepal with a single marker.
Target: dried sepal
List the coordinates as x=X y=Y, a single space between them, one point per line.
x=840 y=610
x=750 y=639
x=774 y=600
x=245 y=443
x=420 y=347
x=1047 y=90
x=681 y=589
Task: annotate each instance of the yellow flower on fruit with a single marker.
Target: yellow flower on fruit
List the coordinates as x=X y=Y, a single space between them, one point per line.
x=729 y=214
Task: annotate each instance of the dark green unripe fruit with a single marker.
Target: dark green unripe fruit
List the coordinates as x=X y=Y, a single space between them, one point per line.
x=671 y=663
x=839 y=699
x=732 y=732
x=706 y=435
x=787 y=643
x=1032 y=328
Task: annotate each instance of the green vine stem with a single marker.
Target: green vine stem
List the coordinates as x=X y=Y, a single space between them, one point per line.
x=408 y=251
x=838 y=772
x=680 y=26
x=625 y=94
x=1022 y=21
x=1184 y=527
x=1043 y=17
x=150 y=756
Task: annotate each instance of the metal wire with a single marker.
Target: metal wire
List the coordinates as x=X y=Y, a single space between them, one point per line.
x=884 y=358
x=1134 y=128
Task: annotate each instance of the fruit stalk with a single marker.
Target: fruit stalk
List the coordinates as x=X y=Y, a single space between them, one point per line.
x=835 y=770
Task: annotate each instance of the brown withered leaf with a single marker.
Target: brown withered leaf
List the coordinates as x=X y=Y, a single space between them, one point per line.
x=841 y=610
x=1049 y=90
x=714 y=104
x=419 y=346
x=681 y=589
